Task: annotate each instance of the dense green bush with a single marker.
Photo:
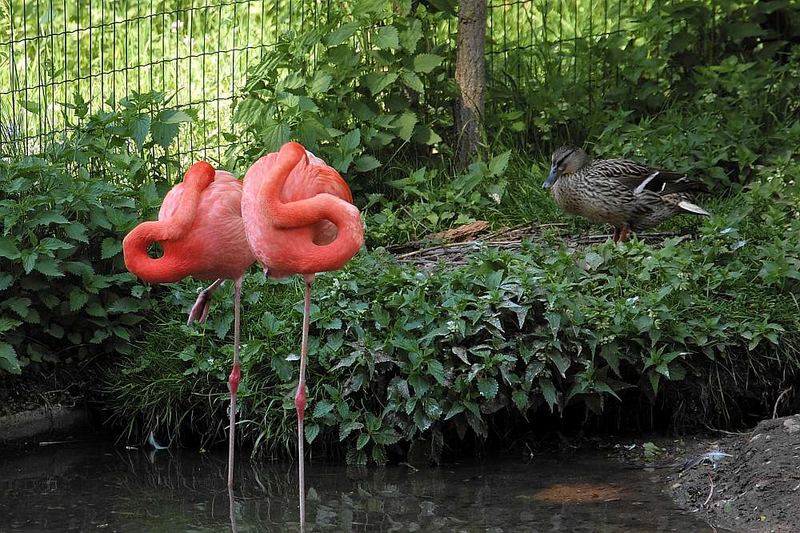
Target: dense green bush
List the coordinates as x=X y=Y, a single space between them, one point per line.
x=64 y=292
x=354 y=89
x=400 y=355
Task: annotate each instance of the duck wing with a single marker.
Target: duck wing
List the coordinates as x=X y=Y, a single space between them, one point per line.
x=638 y=177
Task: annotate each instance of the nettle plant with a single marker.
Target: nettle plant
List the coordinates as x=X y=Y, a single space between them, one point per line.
x=64 y=292
x=364 y=84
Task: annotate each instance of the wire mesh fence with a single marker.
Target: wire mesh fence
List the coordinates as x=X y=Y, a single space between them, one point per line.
x=199 y=52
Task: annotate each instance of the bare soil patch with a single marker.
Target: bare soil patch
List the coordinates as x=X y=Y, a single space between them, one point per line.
x=756 y=489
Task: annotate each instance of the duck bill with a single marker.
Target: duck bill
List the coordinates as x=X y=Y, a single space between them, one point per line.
x=551 y=178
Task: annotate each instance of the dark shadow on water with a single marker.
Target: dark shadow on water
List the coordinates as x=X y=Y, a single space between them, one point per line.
x=101 y=488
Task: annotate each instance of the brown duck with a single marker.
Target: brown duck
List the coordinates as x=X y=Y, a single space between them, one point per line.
x=628 y=195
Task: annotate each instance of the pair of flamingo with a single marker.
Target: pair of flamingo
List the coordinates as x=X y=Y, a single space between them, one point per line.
x=293 y=214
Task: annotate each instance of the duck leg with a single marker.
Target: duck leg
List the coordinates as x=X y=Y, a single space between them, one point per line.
x=623 y=233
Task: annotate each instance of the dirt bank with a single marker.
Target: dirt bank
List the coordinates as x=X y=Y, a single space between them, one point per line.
x=756 y=487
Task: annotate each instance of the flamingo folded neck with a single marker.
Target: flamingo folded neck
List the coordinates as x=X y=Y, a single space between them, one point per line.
x=166 y=269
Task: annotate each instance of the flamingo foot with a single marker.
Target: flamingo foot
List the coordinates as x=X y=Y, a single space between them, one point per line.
x=199 y=311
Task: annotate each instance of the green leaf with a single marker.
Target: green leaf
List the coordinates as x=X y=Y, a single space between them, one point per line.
x=340 y=34
x=365 y=163
x=454 y=410
x=188 y=353
x=7 y=324
x=376 y=82
x=96 y=310
x=321 y=83
x=347 y=428
x=139 y=130
x=124 y=305
x=593 y=260
x=77 y=231
x=386 y=437
x=28 y=261
x=322 y=408
x=291 y=82
x=520 y=398
x=8 y=248
x=173 y=116
x=388 y=37
x=421 y=420
x=420 y=384
x=404 y=125
x=110 y=247
x=363 y=439
x=311 y=430
x=20 y=305
x=5 y=281
x=48 y=266
x=436 y=369
x=654 y=378
x=447 y=6
x=49 y=217
x=425 y=63
x=8 y=359
x=610 y=352
x=412 y=81
x=499 y=163
x=562 y=363
x=411 y=36
x=350 y=141
x=163 y=133
x=602 y=386
x=274 y=134
x=549 y=392
x=425 y=135
x=30 y=106
x=488 y=387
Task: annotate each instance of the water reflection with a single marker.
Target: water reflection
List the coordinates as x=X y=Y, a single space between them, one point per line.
x=102 y=488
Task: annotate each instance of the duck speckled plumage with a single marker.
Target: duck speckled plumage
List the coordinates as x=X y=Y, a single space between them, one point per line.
x=628 y=195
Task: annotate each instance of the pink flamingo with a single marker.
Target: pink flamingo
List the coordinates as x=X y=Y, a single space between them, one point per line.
x=201 y=232
x=299 y=219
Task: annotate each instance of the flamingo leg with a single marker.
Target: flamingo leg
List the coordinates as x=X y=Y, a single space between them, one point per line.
x=232 y=510
x=233 y=380
x=300 y=403
x=199 y=311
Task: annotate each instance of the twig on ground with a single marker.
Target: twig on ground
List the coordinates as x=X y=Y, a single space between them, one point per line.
x=710 y=492
x=780 y=397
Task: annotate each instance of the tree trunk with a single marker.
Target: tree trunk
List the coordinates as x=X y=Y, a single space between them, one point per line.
x=470 y=77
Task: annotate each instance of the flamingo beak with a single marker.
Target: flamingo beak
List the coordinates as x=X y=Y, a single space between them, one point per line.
x=551 y=178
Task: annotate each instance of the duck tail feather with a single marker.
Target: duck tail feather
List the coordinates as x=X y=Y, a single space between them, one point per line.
x=693 y=208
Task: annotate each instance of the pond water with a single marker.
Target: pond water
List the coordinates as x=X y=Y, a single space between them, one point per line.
x=102 y=488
